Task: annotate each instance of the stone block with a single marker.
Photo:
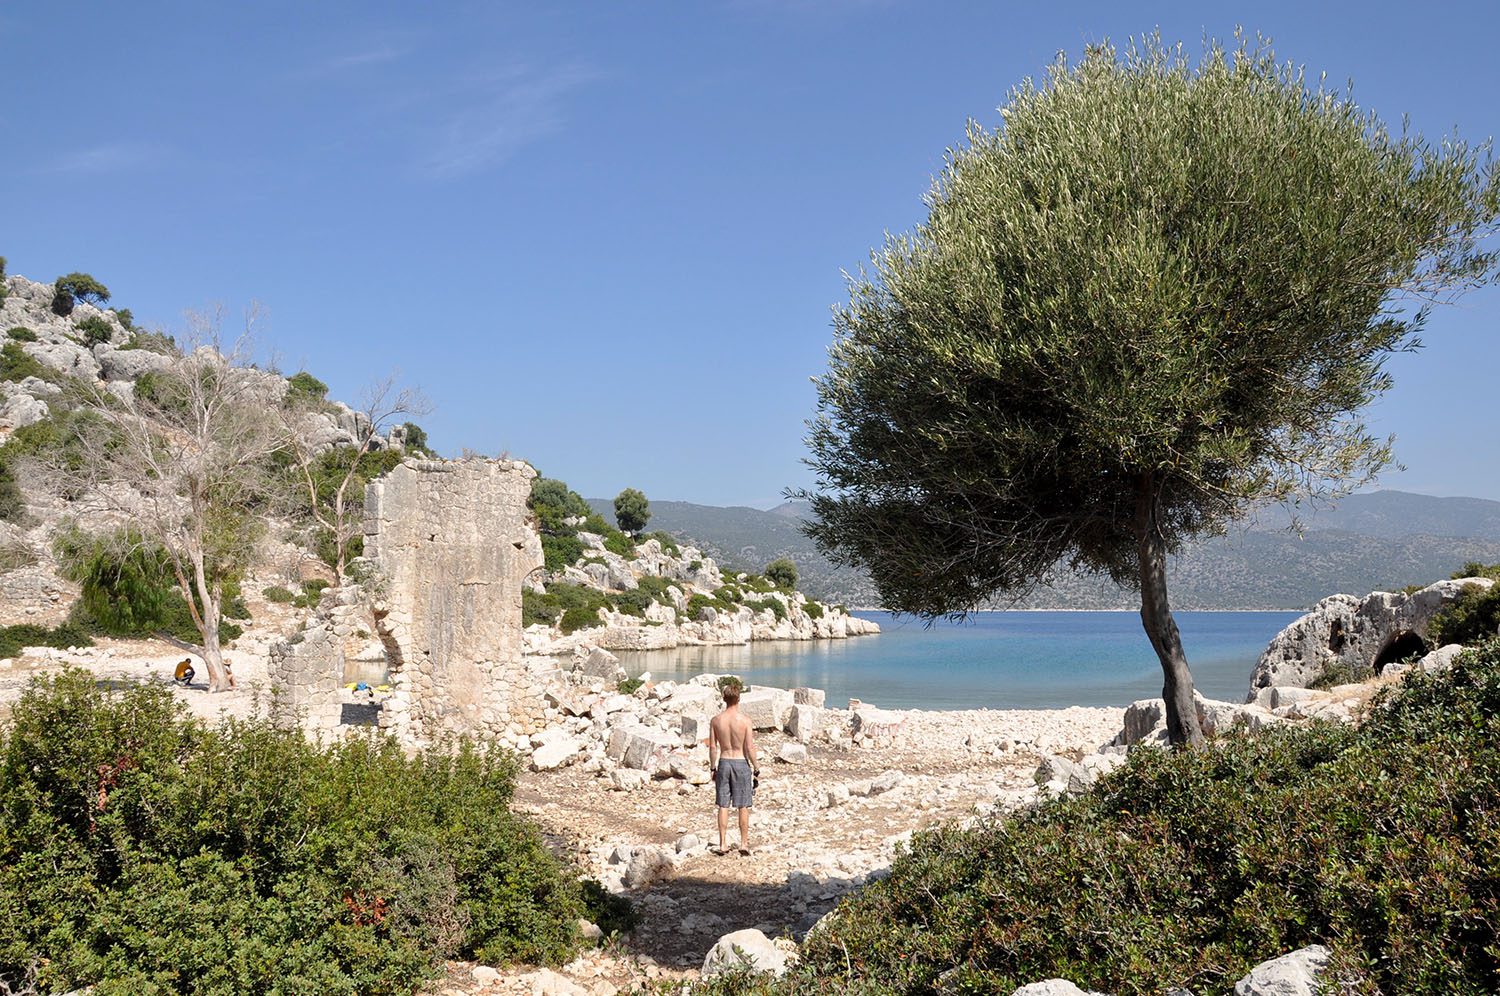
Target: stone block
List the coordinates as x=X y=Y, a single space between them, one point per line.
x=878 y=724
x=805 y=721
x=649 y=749
x=809 y=696
x=766 y=708
x=694 y=726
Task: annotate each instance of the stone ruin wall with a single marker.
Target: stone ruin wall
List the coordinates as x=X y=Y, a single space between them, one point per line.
x=448 y=546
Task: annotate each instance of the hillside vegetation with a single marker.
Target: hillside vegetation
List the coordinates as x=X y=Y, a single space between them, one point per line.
x=1380 y=541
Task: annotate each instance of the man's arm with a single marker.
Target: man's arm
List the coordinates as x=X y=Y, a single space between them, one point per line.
x=750 y=747
x=713 y=746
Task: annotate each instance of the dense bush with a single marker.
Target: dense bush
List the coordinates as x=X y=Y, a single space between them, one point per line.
x=575 y=606
x=414 y=437
x=775 y=605
x=127 y=588
x=75 y=287
x=619 y=543
x=580 y=617
x=559 y=551
x=153 y=342
x=16 y=364
x=303 y=386
x=126 y=318
x=813 y=609
x=13 y=638
x=554 y=502
x=1475 y=614
x=145 y=852
x=278 y=594
x=1187 y=867
x=93 y=330
x=12 y=502
x=782 y=572
x=21 y=333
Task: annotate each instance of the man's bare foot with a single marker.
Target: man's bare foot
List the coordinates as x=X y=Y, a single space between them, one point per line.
x=744 y=852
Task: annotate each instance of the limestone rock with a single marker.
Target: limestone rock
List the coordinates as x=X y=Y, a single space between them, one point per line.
x=1294 y=974
x=554 y=755
x=628 y=780
x=766 y=708
x=805 y=721
x=809 y=696
x=792 y=754
x=128 y=364
x=744 y=947
x=878 y=724
x=1069 y=777
x=1053 y=987
x=649 y=749
x=647 y=865
x=1355 y=633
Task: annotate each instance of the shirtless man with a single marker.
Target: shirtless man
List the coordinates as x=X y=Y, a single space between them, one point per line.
x=734 y=765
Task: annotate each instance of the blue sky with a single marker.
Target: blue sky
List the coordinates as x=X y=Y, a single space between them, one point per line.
x=607 y=237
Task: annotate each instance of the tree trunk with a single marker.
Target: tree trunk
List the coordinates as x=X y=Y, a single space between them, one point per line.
x=1161 y=628
x=208 y=623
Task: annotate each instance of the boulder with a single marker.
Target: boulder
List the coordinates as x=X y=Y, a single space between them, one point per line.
x=693 y=697
x=599 y=663
x=792 y=754
x=878 y=724
x=1354 y=634
x=628 y=780
x=647 y=865
x=1141 y=719
x=885 y=782
x=691 y=768
x=744 y=947
x=129 y=364
x=65 y=357
x=805 y=721
x=546 y=982
x=619 y=739
x=649 y=749
x=1294 y=974
x=1053 y=987
x=809 y=696
x=766 y=708
x=1063 y=776
x=694 y=727
x=553 y=755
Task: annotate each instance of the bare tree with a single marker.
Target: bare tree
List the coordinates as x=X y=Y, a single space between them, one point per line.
x=186 y=462
x=381 y=405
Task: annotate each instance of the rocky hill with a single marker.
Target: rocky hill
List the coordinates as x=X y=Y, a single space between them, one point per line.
x=1384 y=540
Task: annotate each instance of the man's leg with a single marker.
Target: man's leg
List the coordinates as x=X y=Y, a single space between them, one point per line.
x=744 y=828
x=723 y=825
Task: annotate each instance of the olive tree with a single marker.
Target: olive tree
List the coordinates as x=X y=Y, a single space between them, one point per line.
x=1159 y=293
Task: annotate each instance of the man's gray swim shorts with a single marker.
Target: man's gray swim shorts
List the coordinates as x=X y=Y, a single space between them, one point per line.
x=733 y=785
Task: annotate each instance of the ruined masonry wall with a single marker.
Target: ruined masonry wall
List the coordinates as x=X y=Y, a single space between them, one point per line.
x=452 y=547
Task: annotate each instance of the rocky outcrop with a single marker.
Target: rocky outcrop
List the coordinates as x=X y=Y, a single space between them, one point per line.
x=749 y=948
x=1296 y=974
x=1146 y=719
x=1355 y=635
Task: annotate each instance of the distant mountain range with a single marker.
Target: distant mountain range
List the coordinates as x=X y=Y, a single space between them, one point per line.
x=1383 y=540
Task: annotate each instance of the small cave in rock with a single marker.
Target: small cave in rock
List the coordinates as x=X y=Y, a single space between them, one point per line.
x=1401 y=646
x=1336 y=638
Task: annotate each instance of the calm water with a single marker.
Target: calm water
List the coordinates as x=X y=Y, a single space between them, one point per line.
x=998 y=660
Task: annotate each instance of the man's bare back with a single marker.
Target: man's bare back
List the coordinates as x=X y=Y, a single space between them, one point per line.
x=731 y=733
x=735 y=766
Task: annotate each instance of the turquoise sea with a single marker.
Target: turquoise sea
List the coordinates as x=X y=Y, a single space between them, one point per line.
x=996 y=660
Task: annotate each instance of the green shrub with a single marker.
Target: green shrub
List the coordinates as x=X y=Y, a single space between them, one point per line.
x=579 y=618
x=782 y=572
x=125 y=318
x=1473 y=616
x=536 y=609
x=303 y=386
x=94 y=329
x=276 y=593
x=16 y=364
x=1188 y=867
x=554 y=503
x=21 y=333
x=612 y=914
x=729 y=594
x=414 y=437
x=699 y=601
x=127 y=588
x=632 y=602
x=144 y=851
x=14 y=638
x=695 y=565
x=630 y=686
x=559 y=551
x=813 y=609
x=618 y=543
x=12 y=502
x=777 y=607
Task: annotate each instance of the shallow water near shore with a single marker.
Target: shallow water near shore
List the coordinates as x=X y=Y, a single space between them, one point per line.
x=994 y=660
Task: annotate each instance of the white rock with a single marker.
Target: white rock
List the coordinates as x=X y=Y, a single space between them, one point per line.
x=878 y=724
x=647 y=865
x=549 y=983
x=555 y=754
x=1294 y=974
x=650 y=749
x=792 y=754
x=485 y=975
x=805 y=721
x=885 y=782
x=744 y=947
x=766 y=708
x=1053 y=987
x=628 y=779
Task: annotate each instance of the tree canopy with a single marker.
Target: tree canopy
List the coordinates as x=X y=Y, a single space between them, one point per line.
x=782 y=572
x=632 y=510
x=1159 y=293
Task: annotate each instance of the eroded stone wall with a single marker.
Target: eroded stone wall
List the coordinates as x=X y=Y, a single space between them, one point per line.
x=451 y=547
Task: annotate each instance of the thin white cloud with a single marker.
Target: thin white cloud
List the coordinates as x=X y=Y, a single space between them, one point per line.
x=496 y=116
x=110 y=157
x=368 y=57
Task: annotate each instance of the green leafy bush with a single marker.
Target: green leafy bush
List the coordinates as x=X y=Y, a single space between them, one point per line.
x=94 y=329
x=630 y=686
x=618 y=543
x=415 y=437
x=729 y=594
x=775 y=605
x=145 y=851
x=276 y=593
x=813 y=609
x=303 y=386
x=1474 y=615
x=782 y=572
x=13 y=638
x=126 y=318
x=127 y=588
x=560 y=551
x=21 y=333
x=612 y=914
x=554 y=502
x=311 y=594
x=632 y=602
x=1188 y=867
x=16 y=364
x=579 y=618
x=153 y=342
x=12 y=502
x=699 y=601
x=537 y=609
